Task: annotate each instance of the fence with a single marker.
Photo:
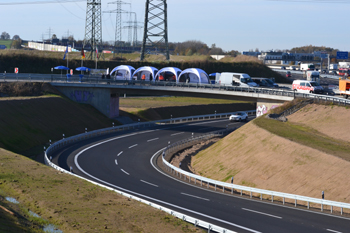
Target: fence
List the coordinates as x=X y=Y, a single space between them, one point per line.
x=173 y=148
x=169 y=86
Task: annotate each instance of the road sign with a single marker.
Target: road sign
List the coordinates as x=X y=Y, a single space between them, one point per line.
x=71 y=71
x=16 y=70
x=342 y=55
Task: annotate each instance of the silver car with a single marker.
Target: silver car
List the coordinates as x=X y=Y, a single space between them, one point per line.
x=239 y=116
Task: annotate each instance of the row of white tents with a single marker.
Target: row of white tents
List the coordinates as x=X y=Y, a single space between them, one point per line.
x=170 y=74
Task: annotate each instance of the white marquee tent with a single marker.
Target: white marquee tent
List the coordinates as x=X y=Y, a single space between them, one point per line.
x=123 y=72
x=165 y=73
x=148 y=71
x=194 y=75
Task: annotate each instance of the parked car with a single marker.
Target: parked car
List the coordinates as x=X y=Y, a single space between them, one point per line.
x=239 y=116
x=264 y=82
x=288 y=74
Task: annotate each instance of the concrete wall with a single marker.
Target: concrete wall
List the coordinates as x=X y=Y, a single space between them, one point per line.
x=263 y=106
x=103 y=99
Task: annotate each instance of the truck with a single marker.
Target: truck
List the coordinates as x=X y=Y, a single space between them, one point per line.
x=344 y=87
x=307 y=66
x=235 y=79
x=313 y=76
x=344 y=64
x=333 y=66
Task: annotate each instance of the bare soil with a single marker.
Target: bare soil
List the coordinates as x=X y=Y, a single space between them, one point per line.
x=258 y=158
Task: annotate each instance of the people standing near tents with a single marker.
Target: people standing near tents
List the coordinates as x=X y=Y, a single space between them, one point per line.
x=143 y=77
x=161 y=77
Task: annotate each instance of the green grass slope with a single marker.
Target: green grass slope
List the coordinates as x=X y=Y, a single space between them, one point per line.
x=26 y=124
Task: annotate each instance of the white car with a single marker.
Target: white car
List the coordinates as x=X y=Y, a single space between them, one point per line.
x=239 y=116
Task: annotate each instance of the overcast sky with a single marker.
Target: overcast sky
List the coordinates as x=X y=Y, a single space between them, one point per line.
x=230 y=24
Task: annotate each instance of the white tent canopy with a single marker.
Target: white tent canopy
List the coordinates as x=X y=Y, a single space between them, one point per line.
x=148 y=71
x=123 y=72
x=194 y=75
x=165 y=73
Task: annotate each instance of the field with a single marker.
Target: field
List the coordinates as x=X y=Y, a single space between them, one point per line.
x=7 y=43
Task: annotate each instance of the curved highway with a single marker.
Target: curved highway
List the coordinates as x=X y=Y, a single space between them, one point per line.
x=124 y=161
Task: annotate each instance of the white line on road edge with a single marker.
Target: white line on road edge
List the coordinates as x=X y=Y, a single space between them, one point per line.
x=120 y=153
x=176 y=134
x=152 y=139
x=116 y=162
x=195 y=196
x=144 y=196
x=149 y=183
x=132 y=146
x=334 y=231
x=262 y=213
x=125 y=172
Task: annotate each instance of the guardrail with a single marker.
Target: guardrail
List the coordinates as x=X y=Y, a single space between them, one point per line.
x=66 y=141
x=175 y=147
x=131 y=84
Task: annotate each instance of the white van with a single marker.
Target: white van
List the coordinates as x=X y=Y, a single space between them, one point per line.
x=235 y=79
x=305 y=86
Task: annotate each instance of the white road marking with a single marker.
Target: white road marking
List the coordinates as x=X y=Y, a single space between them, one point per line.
x=133 y=146
x=333 y=231
x=176 y=134
x=262 y=213
x=116 y=162
x=144 y=196
x=152 y=139
x=195 y=196
x=149 y=183
x=125 y=172
x=120 y=153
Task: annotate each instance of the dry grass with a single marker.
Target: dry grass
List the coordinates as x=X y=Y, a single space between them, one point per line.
x=75 y=205
x=280 y=164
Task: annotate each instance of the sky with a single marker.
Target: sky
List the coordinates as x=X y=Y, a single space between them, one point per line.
x=230 y=24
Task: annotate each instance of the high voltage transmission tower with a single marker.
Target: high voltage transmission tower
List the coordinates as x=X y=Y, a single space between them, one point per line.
x=133 y=26
x=155 y=35
x=93 y=28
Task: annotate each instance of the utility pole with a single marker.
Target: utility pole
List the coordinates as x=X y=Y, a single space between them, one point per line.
x=156 y=27
x=118 y=26
x=93 y=29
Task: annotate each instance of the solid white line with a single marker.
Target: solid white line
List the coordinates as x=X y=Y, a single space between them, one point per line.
x=116 y=162
x=149 y=183
x=132 y=146
x=195 y=196
x=152 y=139
x=176 y=134
x=262 y=213
x=125 y=172
x=333 y=231
x=120 y=153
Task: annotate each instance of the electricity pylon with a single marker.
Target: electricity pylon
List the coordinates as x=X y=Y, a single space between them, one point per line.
x=155 y=33
x=93 y=28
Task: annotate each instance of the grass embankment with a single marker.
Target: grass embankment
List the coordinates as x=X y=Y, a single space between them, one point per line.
x=28 y=123
x=293 y=157
x=156 y=108
x=72 y=204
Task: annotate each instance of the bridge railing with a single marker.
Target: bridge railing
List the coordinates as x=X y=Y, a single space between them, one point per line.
x=175 y=147
x=92 y=134
x=131 y=84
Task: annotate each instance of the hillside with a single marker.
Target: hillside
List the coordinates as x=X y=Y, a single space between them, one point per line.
x=283 y=164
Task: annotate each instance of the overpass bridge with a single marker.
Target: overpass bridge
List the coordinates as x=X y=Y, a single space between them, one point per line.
x=104 y=94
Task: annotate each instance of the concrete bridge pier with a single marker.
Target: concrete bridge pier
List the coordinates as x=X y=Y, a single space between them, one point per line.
x=105 y=100
x=264 y=105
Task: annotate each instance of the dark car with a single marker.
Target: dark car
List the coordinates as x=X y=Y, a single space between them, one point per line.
x=288 y=74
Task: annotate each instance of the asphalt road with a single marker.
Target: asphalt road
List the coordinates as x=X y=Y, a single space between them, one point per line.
x=123 y=161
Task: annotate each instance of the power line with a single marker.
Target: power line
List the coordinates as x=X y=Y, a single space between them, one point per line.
x=40 y=2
